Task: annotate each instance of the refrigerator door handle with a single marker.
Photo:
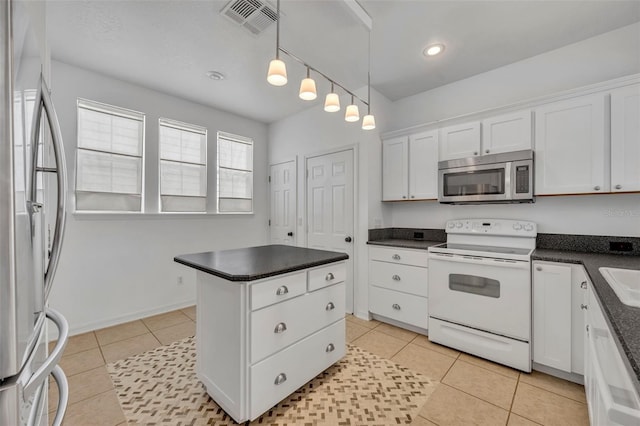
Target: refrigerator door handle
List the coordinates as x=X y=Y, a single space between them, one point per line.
x=54 y=357
x=63 y=394
x=43 y=102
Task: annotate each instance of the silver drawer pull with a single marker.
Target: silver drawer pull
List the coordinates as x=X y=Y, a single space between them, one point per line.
x=329 y=277
x=330 y=348
x=280 y=379
x=396 y=257
x=583 y=285
x=280 y=328
x=282 y=290
x=396 y=277
x=330 y=307
x=396 y=306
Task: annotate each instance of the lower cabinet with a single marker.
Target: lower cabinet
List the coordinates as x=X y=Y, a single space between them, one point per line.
x=558 y=322
x=398 y=285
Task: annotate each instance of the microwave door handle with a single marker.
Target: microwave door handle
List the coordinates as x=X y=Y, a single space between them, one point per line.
x=44 y=102
x=509 y=179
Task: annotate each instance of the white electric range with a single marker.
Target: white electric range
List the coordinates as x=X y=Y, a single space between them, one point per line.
x=480 y=289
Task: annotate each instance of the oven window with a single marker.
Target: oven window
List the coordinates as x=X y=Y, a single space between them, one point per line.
x=474 y=285
x=478 y=182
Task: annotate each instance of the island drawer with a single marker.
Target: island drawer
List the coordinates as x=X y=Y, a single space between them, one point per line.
x=327 y=275
x=399 y=255
x=276 y=327
x=401 y=307
x=281 y=374
x=277 y=290
x=405 y=278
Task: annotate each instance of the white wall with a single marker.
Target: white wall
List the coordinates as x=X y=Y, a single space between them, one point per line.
x=116 y=268
x=608 y=56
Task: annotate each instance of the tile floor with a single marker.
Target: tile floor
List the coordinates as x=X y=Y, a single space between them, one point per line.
x=472 y=391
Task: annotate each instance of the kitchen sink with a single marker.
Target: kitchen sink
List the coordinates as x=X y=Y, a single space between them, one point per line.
x=625 y=283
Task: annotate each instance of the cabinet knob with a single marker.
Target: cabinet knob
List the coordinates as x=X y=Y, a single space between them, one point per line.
x=280 y=379
x=280 y=328
x=486 y=151
x=597 y=188
x=618 y=186
x=583 y=306
x=396 y=257
x=396 y=306
x=583 y=285
x=282 y=290
x=413 y=196
x=404 y=196
x=396 y=277
x=330 y=348
x=475 y=152
x=538 y=268
x=330 y=306
x=329 y=277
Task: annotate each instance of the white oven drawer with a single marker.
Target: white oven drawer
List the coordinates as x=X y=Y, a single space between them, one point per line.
x=277 y=290
x=277 y=326
x=281 y=374
x=404 y=278
x=399 y=255
x=327 y=275
x=406 y=308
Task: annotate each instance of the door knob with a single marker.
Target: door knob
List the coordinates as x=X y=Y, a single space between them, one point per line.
x=290 y=234
x=348 y=239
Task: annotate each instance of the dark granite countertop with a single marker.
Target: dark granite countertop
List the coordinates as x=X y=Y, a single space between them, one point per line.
x=397 y=242
x=254 y=263
x=624 y=320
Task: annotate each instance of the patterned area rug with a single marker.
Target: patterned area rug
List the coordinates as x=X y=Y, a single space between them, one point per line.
x=161 y=387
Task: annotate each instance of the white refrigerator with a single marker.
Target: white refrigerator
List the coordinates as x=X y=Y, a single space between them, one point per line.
x=32 y=187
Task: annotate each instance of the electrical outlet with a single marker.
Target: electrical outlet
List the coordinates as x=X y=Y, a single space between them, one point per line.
x=180 y=281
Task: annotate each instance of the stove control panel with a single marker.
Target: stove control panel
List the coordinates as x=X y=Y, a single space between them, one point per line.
x=506 y=227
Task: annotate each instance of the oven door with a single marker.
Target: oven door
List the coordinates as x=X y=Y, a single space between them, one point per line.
x=487 y=182
x=493 y=295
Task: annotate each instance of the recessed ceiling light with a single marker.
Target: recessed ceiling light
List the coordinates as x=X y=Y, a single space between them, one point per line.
x=433 y=50
x=215 y=75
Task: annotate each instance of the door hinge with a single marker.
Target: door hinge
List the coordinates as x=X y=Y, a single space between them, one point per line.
x=269 y=222
x=307 y=173
x=269 y=179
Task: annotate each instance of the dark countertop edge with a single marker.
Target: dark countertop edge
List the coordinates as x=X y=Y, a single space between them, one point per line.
x=411 y=244
x=615 y=312
x=255 y=277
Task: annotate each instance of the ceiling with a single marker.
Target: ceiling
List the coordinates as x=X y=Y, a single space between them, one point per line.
x=169 y=45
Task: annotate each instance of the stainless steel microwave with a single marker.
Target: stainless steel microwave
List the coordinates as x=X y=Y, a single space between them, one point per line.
x=496 y=178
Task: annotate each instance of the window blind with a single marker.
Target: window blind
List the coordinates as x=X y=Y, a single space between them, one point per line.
x=109 y=164
x=183 y=167
x=235 y=174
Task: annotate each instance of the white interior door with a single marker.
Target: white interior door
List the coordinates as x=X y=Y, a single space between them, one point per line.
x=330 y=208
x=283 y=203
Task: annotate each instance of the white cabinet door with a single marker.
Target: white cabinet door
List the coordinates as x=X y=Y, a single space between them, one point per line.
x=552 y=315
x=508 y=132
x=572 y=153
x=460 y=141
x=423 y=165
x=579 y=284
x=625 y=139
x=395 y=169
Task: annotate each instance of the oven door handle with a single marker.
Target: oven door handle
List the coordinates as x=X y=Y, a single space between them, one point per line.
x=475 y=260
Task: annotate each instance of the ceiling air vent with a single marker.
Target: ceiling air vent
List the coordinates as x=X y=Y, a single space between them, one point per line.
x=254 y=15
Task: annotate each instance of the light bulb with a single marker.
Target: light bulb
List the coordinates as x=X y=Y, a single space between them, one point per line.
x=277 y=74
x=368 y=122
x=352 y=113
x=332 y=102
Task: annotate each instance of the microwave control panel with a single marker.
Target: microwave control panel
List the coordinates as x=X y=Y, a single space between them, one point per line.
x=522 y=179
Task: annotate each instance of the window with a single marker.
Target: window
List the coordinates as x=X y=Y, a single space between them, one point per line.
x=109 y=158
x=235 y=174
x=183 y=167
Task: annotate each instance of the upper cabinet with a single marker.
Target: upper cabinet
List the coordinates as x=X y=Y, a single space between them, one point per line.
x=508 y=132
x=625 y=139
x=571 y=149
x=460 y=141
x=410 y=167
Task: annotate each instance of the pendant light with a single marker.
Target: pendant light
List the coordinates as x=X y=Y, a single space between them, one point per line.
x=352 y=114
x=369 y=122
x=308 y=88
x=277 y=74
x=332 y=101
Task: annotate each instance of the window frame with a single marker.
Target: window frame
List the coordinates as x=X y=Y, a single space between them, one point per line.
x=237 y=139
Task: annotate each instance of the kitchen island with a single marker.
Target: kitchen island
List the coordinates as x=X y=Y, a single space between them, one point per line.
x=269 y=319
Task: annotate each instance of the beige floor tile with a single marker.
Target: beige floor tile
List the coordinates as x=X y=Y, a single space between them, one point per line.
x=548 y=408
x=421 y=421
x=128 y=347
x=354 y=331
x=432 y=364
x=424 y=341
x=190 y=312
x=482 y=383
x=497 y=368
x=83 y=386
x=120 y=332
x=449 y=406
x=78 y=343
x=168 y=319
x=364 y=323
x=101 y=410
x=516 y=420
x=81 y=362
x=380 y=344
x=397 y=332
x=176 y=332
x=555 y=385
